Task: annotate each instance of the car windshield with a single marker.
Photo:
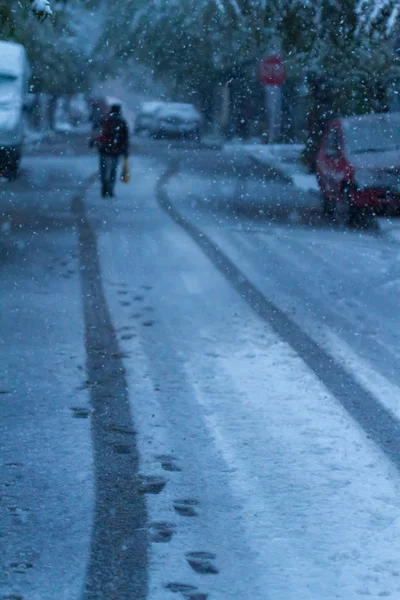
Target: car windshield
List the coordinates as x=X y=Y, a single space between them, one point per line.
x=149 y=108
x=186 y=110
x=371 y=136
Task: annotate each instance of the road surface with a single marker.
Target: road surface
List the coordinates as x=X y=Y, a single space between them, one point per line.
x=199 y=386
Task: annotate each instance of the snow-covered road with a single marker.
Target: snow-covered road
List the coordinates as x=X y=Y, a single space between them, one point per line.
x=240 y=383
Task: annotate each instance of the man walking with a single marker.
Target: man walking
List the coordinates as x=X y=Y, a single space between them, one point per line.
x=112 y=142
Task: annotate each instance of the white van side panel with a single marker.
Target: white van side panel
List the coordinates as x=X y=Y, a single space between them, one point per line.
x=14 y=74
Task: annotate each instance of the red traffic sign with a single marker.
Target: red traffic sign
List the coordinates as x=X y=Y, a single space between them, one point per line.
x=272 y=71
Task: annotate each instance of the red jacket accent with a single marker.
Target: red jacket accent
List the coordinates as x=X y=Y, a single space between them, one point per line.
x=114 y=137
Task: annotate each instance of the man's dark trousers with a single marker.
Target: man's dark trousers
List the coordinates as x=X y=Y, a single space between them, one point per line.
x=108 y=173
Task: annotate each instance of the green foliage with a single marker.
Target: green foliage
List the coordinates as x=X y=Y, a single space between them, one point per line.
x=7 y=24
x=189 y=40
x=58 y=64
x=345 y=64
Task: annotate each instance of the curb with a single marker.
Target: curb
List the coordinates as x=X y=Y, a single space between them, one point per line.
x=271 y=170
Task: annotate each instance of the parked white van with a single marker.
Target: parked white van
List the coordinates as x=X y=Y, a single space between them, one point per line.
x=14 y=76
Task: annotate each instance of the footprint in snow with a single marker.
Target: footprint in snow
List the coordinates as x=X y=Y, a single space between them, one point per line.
x=79 y=412
x=162 y=532
x=202 y=562
x=186 y=508
x=168 y=463
x=190 y=592
x=151 y=484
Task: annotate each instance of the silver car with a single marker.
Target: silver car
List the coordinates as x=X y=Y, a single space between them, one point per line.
x=145 y=121
x=175 y=119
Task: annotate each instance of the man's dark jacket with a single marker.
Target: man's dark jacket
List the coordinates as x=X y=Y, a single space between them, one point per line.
x=114 y=136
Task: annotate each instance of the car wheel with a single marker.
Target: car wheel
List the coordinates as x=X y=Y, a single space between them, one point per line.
x=13 y=170
x=327 y=204
x=328 y=207
x=345 y=212
x=195 y=136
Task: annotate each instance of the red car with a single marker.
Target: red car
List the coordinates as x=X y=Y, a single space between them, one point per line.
x=358 y=166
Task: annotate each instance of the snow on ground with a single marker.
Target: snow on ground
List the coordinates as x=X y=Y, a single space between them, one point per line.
x=308 y=478
x=46 y=454
x=273 y=152
x=288 y=495
x=390 y=227
x=305 y=182
x=291 y=496
x=338 y=286
x=285 y=158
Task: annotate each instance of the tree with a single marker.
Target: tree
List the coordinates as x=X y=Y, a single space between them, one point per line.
x=216 y=35
x=189 y=41
x=381 y=14
x=342 y=60
x=60 y=49
x=196 y=45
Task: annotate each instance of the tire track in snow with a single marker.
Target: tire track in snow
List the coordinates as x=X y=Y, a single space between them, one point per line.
x=377 y=421
x=117 y=566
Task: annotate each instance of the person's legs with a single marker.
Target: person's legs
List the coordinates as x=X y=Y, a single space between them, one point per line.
x=103 y=174
x=113 y=173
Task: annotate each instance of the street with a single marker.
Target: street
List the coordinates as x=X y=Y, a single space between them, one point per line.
x=199 y=385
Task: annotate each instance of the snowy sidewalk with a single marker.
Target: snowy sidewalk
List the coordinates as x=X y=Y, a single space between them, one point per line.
x=33 y=138
x=390 y=226
x=284 y=158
